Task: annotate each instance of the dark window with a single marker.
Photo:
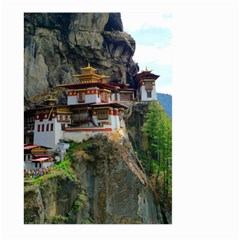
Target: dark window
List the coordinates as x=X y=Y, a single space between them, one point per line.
x=102 y=114
x=47 y=128
x=43 y=128
x=51 y=126
x=38 y=128
x=81 y=97
x=63 y=127
x=149 y=94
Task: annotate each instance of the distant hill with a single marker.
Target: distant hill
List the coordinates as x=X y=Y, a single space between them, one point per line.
x=166 y=101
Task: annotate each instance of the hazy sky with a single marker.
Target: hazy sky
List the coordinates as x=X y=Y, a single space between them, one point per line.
x=153 y=35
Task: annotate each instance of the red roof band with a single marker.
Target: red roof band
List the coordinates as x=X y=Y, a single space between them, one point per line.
x=29 y=147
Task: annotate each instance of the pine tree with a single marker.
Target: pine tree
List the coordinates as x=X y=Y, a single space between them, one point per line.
x=158 y=129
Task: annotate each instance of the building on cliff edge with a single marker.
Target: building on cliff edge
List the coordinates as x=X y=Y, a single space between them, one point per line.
x=94 y=105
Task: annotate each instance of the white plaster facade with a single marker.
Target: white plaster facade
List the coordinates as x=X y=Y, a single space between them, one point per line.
x=116 y=97
x=144 y=96
x=94 y=97
x=89 y=98
x=72 y=100
x=48 y=138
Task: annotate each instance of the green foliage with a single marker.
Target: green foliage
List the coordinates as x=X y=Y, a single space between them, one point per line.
x=66 y=163
x=79 y=202
x=158 y=157
x=87 y=221
x=37 y=180
x=59 y=219
x=72 y=148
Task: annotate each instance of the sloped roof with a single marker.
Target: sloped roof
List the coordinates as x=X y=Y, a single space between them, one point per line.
x=29 y=147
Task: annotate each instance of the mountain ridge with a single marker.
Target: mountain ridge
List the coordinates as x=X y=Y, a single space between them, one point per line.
x=166 y=101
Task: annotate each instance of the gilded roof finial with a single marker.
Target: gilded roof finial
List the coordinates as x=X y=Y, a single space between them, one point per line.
x=88 y=69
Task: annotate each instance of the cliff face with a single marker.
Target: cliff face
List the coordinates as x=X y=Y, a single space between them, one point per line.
x=107 y=184
x=56 y=45
x=54 y=196
x=134 y=120
x=110 y=187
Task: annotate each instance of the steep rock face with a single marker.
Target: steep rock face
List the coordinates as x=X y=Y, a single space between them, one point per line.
x=134 y=120
x=53 y=197
x=115 y=184
x=56 y=45
x=110 y=187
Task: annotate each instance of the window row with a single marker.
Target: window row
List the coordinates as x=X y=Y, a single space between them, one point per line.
x=102 y=114
x=30 y=119
x=62 y=118
x=42 y=127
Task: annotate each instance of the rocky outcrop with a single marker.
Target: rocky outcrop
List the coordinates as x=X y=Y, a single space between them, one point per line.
x=54 y=196
x=56 y=45
x=110 y=187
x=115 y=184
x=134 y=120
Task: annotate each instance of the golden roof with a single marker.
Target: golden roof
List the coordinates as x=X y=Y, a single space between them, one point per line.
x=88 y=69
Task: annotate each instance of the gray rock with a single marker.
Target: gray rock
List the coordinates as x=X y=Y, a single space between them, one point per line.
x=110 y=188
x=57 y=45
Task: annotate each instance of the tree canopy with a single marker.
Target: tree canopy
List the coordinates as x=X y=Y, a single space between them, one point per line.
x=158 y=130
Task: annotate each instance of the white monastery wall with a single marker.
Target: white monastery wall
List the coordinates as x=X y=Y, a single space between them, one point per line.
x=48 y=138
x=58 y=132
x=90 y=98
x=116 y=97
x=144 y=94
x=72 y=100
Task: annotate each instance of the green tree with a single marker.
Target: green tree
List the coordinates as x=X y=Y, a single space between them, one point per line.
x=158 y=129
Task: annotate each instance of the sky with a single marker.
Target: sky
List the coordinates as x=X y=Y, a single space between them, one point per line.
x=152 y=32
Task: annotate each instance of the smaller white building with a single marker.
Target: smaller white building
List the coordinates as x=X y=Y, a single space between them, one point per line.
x=146 y=89
x=50 y=123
